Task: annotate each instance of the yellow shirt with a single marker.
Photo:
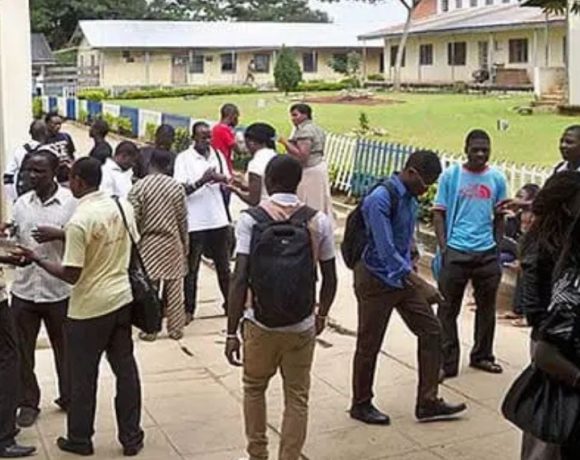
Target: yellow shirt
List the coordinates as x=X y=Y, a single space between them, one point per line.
x=97 y=242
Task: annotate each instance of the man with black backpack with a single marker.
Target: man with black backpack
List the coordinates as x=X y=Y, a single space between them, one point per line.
x=385 y=280
x=279 y=245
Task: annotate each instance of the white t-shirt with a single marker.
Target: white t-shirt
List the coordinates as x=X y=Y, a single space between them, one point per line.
x=205 y=207
x=116 y=182
x=257 y=166
x=323 y=240
x=14 y=164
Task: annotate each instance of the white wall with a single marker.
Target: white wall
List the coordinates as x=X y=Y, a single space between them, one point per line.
x=574 y=59
x=15 y=76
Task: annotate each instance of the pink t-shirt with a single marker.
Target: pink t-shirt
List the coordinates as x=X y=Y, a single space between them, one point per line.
x=223 y=139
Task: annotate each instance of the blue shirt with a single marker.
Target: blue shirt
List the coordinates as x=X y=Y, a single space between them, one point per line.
x=472 y=202
x=388 y=253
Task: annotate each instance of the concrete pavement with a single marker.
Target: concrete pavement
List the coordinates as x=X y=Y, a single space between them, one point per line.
x=192 y=397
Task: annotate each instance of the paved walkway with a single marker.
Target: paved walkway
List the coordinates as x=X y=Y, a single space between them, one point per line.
x=192 y=402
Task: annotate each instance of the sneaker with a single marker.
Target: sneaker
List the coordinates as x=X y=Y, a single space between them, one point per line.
x=75 y=448
x=16 y=451
x=438 y=409
x=27 y=417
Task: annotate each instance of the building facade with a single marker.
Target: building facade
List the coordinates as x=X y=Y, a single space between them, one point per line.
x=152 y=53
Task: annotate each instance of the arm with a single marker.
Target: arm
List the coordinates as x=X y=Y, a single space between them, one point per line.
x=181 y=210
x=439 y=225
x=549 y=359
x=499 y=209
x=327 y=292
x=136 y=201
x=236 y=301
x=69 y=275
x=254 y=191
x=377 y=214
x=440 y=208
x=498 y=226
x=300 y=149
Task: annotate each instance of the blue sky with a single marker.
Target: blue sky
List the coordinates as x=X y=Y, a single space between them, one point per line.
x=360 y=14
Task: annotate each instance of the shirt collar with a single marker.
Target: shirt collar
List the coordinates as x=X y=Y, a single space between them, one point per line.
x=399 y=186
x=113 y=166
x=285 y=199
x=304 y=123
x=58 y=197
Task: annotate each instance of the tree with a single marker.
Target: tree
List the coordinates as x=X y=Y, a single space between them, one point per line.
x=349 y=66
x=58 y=19
x=410 y=6
x=555 y=6
x=287 y=73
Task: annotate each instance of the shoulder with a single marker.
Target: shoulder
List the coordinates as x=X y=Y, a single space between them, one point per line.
x=22 y=201
x=497 y=174
x=322 y=224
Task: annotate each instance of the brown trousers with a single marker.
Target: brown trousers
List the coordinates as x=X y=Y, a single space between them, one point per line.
x=264 y=353
x=376 y=302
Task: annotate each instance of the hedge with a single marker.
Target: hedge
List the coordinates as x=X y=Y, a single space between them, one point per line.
x=307 y=86
x=184 y=92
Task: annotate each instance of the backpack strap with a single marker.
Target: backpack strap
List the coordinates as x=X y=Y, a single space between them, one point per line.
x=394 y=197
x=259 y=214
x=303 y=215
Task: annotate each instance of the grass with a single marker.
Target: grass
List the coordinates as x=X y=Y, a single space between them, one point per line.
x=436 y=121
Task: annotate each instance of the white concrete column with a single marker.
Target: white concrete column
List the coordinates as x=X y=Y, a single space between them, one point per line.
x=15 y=77
x=573 y=44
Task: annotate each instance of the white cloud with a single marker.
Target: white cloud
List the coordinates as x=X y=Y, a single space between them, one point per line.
x=362 y=16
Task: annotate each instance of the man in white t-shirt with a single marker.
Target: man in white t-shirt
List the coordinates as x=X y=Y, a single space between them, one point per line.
x=204 y=173
x=118 y=171
x=570 y=150
x=287 y=343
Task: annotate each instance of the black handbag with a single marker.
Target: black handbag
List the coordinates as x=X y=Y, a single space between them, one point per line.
x=147 y=309
x=543 y=407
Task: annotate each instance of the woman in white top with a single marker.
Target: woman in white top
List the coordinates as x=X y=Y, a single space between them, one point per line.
x=260 y=142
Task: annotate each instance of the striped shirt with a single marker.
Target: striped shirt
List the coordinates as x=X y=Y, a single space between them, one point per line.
x=161 y=217
x=33 y=283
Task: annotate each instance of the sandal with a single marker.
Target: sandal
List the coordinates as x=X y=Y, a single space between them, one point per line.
x=487 y=366
x=147 y=337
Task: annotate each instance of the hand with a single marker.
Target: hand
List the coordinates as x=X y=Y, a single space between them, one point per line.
x=430 y=293
x=219 y=178
x=26 y=253
x=505 y=205
x=208 y=176
x=15 y=259
x=237 y=181
x=233 y=353
x=46 y=233
x=320 y=324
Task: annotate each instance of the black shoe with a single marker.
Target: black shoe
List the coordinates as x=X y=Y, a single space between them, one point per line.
x=62 y=404
x=487 y=365
x=438 y=410
x=75 y=448
x=131 y=451
x=27 y=417
x=16 y=451
x=369 y=414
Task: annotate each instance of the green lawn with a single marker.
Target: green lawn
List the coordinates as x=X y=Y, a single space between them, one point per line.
x=438 y=121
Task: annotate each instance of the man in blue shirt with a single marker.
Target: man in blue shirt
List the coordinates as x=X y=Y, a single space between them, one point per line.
x=468 y=224
x=385 y=280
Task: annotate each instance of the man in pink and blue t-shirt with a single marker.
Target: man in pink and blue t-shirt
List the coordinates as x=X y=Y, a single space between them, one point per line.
x=469 y=223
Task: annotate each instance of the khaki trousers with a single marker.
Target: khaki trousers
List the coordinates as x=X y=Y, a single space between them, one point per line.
x=264 y=353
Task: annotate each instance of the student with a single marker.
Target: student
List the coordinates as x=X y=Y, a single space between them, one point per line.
x=61 y=143
x=260 y=142
x=161 y=216
x=118 y=171
x=570 y=150
x=384 y=280
x=469 y=225
x=280 y=327
x=101 y=149
x=203 y=171
x=96 y=263
x=164 y=139
x=39 y=218
x=223 y=137
x=14 y=177
x=9 y=374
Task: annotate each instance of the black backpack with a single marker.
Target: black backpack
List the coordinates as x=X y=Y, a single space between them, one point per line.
x=355 y=233
x=282 y=268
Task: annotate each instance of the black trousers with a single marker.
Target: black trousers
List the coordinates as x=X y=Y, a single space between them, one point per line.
x=217 y=244
x=87 y=340
x=29 y=316
x=376 y=303
x=9 y=379
x=484 y=271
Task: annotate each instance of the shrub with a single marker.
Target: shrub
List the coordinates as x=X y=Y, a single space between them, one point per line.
x=426 y=204
x=125 y=127
x=111 y=121
x=93 y=94
x=376 y=77
x=150 y=129
x=182 y=140
x=37 y=108
x=287 y=73
x=83 y=116
x=316 y=86
x=349 y=66
x=155 y=93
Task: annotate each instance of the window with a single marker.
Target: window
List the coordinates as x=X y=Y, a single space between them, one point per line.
x=262 y=63
x=445 y=5
x=310 y=62
x=564 y=50
x=458 y=4
x=229 y=62
x=394 y=51
x=81 y=61
x=196 y=63
x=483 y=54
x=473 y=3
x=426 y=55
x=518 y=51
x=382 y=62
x=127 y=57
x=489 y=2
x=93 y=61
x=456 y=53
